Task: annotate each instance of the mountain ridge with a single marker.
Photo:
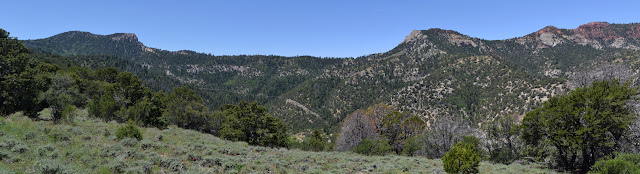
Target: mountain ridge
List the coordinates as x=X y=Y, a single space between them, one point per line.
x=432 y=73
x=591 y=30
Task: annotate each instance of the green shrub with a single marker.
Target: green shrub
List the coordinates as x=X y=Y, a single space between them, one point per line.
x=104 y=170
x=129 y=142
x=51 y=166
x=411 y=146
x=475 y=142
x=130 y=131
x=314 y=143
x=173 y=164
x=462 y=158
x=20 y=148
x=373 y=147
x=68 y=114
x=294 y=143
x=4 y=155
x=602 y=120
x=8 y=144
x=623 y=163
x=60 y=135
x=469 y=139
x=118 y=165
x=29 y=136
x=503 y=155
x=634 y=158
x=112 y=151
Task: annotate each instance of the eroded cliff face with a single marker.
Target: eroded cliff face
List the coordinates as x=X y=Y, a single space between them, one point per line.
x=598 y=35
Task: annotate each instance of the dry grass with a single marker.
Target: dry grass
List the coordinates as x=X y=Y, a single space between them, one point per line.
x=89 y=145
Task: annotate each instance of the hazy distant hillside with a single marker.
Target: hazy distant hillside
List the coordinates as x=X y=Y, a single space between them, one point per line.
x=431 y=73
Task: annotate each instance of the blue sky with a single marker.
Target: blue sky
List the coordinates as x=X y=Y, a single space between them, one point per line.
x=323 y=28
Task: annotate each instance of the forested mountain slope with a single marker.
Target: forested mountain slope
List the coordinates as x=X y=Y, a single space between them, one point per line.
x=432 y=73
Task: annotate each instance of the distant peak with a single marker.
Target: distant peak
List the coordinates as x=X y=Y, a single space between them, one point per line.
x=422 y=34
x=414 y=35
x=125 y=36
x=593 y=25
x=548 y=29
x=115 y=37
x=184 y=52
x=75 y=33
x=443 y=31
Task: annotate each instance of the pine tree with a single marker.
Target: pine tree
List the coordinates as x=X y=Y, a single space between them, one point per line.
x=584 y=125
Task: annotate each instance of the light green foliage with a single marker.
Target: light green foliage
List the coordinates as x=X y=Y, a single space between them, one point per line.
x=462 y=158
x=294 y=143
x=474 y=141
x=623 y=163
x=615 y=166
x=130 y=130
x=371 y=146
x=583 y=125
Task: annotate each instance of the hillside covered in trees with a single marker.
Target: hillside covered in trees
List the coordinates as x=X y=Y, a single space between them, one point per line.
x=432 y=73
x=54 y=120
x=29 y=85
x=560 y=98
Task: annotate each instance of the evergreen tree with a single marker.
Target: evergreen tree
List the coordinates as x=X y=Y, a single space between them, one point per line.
x=315 y=142
x=584 y=125
x=462 y=158
x=21 y=77
x=61 y=94
x=250 y=122
x=184 y=108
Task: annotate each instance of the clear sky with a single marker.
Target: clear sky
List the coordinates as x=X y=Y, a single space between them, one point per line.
x=325 y=28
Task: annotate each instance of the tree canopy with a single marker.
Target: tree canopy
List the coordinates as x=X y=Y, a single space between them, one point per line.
x=583 y=125
x=21 y=77
x=250 y=122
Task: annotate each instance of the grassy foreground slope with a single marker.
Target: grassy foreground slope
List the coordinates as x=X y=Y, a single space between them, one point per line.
x=89 y=145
